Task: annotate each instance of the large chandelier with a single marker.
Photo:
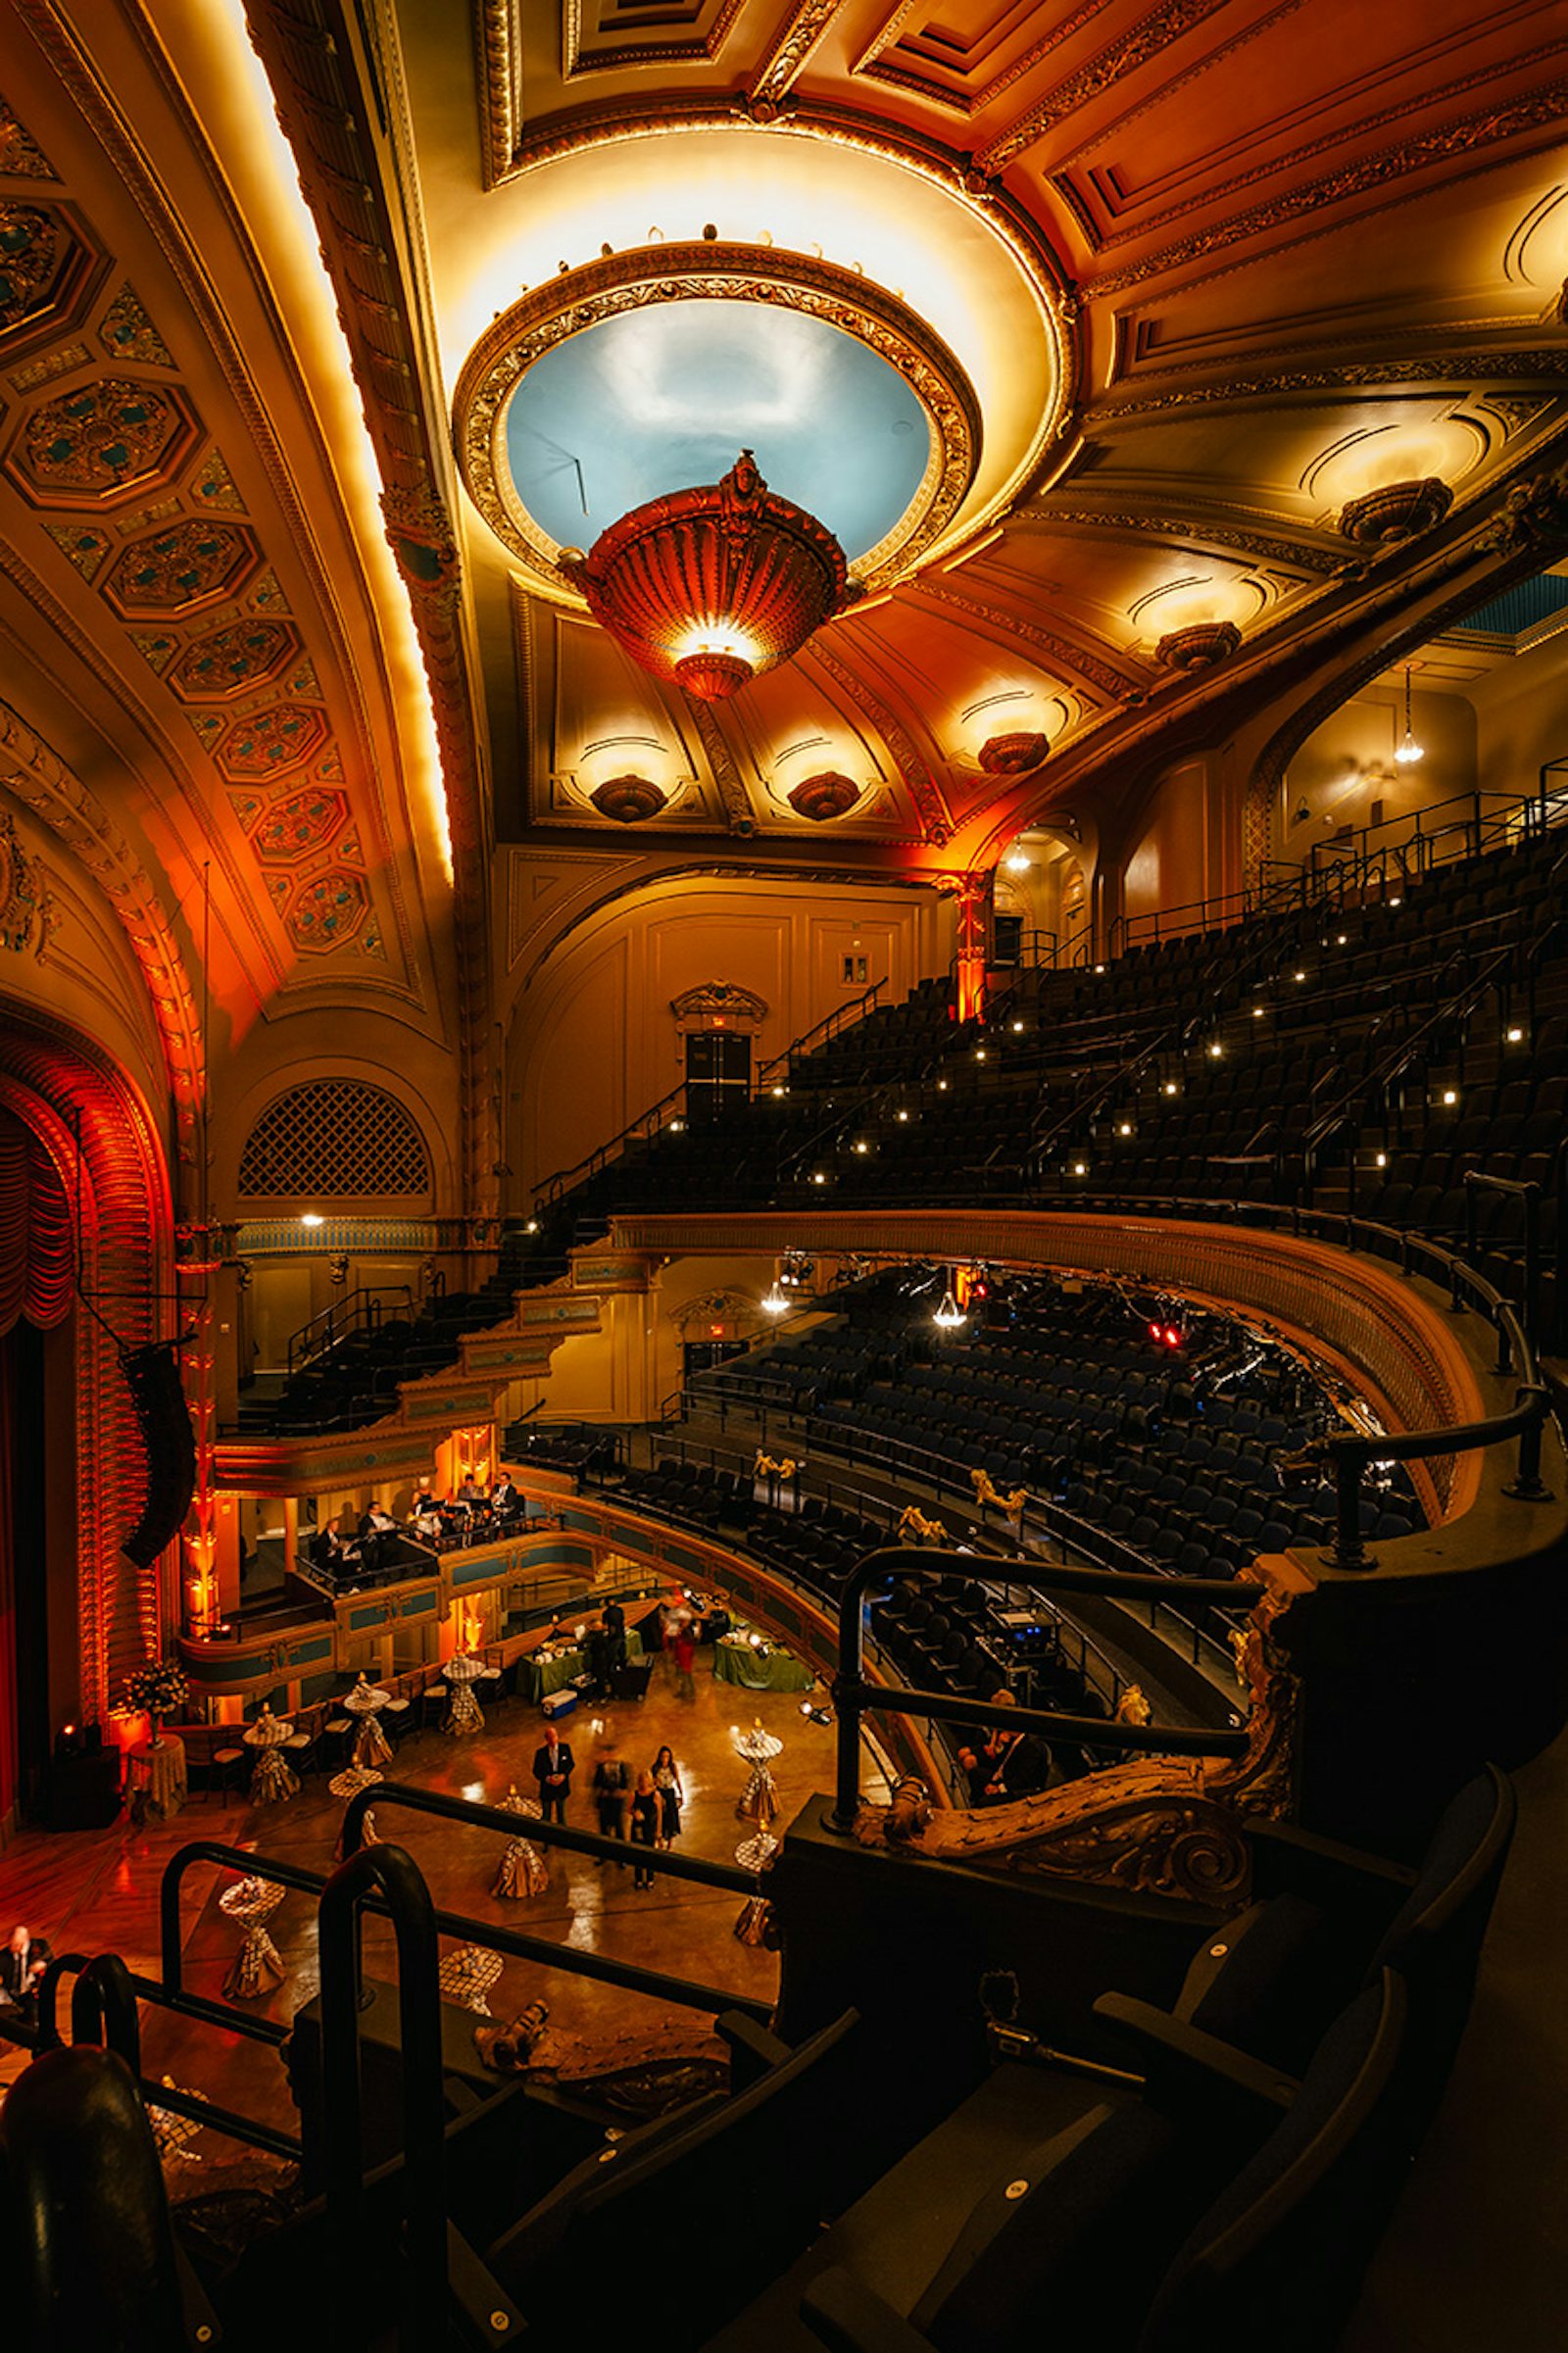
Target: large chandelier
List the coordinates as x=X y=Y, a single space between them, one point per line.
x=710 y=586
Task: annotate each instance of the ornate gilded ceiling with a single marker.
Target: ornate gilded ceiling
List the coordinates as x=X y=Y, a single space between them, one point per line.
x=1216 y=269
x=185 y=614
x=1177 y=284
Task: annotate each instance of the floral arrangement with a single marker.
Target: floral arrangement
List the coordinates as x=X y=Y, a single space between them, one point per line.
x=158 y=1690
x=764 y=1467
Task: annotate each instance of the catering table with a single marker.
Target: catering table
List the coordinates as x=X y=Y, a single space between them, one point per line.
x=468 y=1975
x=273 y=1778
x=522 y=1870
x=538 y=1676
x=370 y=1743
x=735 y=1661
x=461 y=1674
x=258 y=1963
x=158 y=1770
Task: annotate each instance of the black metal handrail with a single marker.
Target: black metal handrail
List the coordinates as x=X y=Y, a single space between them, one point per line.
x=359 y=1310
x=854 y=1696
x=1477 y=1180
x=104 y=2008
x=1403 y=1051
x=394 y=1874
x=831 y=1025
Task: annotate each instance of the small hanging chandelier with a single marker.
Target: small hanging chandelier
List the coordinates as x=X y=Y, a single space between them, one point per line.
x=710 y=586
x=776 y=1302
x=950 y=1316
x=1409 y=750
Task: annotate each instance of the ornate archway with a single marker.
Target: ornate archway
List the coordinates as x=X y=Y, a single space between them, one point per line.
x=109 y=1161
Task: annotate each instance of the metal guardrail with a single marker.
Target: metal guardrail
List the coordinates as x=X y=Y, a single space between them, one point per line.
x=853 y=1696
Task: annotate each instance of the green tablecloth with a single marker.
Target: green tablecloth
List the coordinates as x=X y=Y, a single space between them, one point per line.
x=536 y=1681
x=738 y=1662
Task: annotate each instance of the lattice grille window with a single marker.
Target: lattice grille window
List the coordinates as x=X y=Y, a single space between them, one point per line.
x=334 y=1138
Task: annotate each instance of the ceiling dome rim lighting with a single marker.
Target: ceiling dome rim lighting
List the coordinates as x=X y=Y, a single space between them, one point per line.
x=577 y=300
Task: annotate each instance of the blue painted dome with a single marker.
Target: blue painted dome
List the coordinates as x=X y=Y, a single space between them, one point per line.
x=662 y=397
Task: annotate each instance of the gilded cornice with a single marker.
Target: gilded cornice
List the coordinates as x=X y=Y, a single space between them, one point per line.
x=70 y=55
x=1322 y=200
x=1125 y=55
x=801 y=27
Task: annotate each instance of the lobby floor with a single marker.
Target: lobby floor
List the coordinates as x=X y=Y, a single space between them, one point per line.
x=97 y=1892
x=1477 y=2253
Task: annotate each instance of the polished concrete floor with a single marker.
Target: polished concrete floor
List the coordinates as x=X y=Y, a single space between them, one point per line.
x=97 y=1892
x=1476 y=2260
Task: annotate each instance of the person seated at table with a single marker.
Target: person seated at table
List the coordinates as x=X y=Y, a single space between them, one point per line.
x=1018 y=1765
x=331 y=1549
x=470 y=1496
x=377 y=1530
x=21 y=1966
x=424 y=1516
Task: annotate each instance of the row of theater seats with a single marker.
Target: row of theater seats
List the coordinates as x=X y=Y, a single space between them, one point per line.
x=818 y=1544
x=1194 y=1465
x=946 y=1638
x=951 y=1636
x=1096 y=1083
x=888 y=1042
x=876 y=2187
x=563 y=1446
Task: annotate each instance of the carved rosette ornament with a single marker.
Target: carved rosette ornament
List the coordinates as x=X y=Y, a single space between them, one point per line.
x=1016 y=755
x=1397 y=512
x=19 y=890
x=824 y=795
x=629 y=799
x=1202 y=647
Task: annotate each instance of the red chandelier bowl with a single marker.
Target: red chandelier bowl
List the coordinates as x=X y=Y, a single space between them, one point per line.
x=709 y=587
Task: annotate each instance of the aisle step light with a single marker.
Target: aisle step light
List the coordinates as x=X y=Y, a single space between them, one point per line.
x=1515 y=1036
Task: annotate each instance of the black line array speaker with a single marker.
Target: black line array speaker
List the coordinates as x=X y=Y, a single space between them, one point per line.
x=157 y=1394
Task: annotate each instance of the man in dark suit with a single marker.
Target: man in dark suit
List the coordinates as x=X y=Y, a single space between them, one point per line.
x=553 y=1767
x=616 y=1630
x=21 y=1966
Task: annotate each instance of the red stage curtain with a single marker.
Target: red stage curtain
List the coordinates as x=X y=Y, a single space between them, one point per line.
x=37 y=1241
x=8 y=1612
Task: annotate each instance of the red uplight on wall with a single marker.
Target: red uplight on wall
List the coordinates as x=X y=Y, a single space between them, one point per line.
x=1156 y=1332
x=1173 y=1338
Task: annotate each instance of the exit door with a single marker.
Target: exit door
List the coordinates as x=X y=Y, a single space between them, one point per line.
x=718 y=1073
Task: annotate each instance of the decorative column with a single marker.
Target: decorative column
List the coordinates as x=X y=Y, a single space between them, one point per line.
x=974 y=893
x=196 y=1267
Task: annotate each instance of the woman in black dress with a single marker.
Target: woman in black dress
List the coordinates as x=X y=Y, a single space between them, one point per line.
x=645 y=1819
x=671 y=1796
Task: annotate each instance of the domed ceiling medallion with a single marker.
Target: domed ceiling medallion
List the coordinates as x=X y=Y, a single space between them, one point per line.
x=629 y=799
x=1398 y=511
x=1201 y=647
x=823 y=796
x=612 y=385
x=710 y=586
x=1015 y=755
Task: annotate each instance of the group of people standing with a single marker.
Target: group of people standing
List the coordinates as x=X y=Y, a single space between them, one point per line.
x=641 y=1807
